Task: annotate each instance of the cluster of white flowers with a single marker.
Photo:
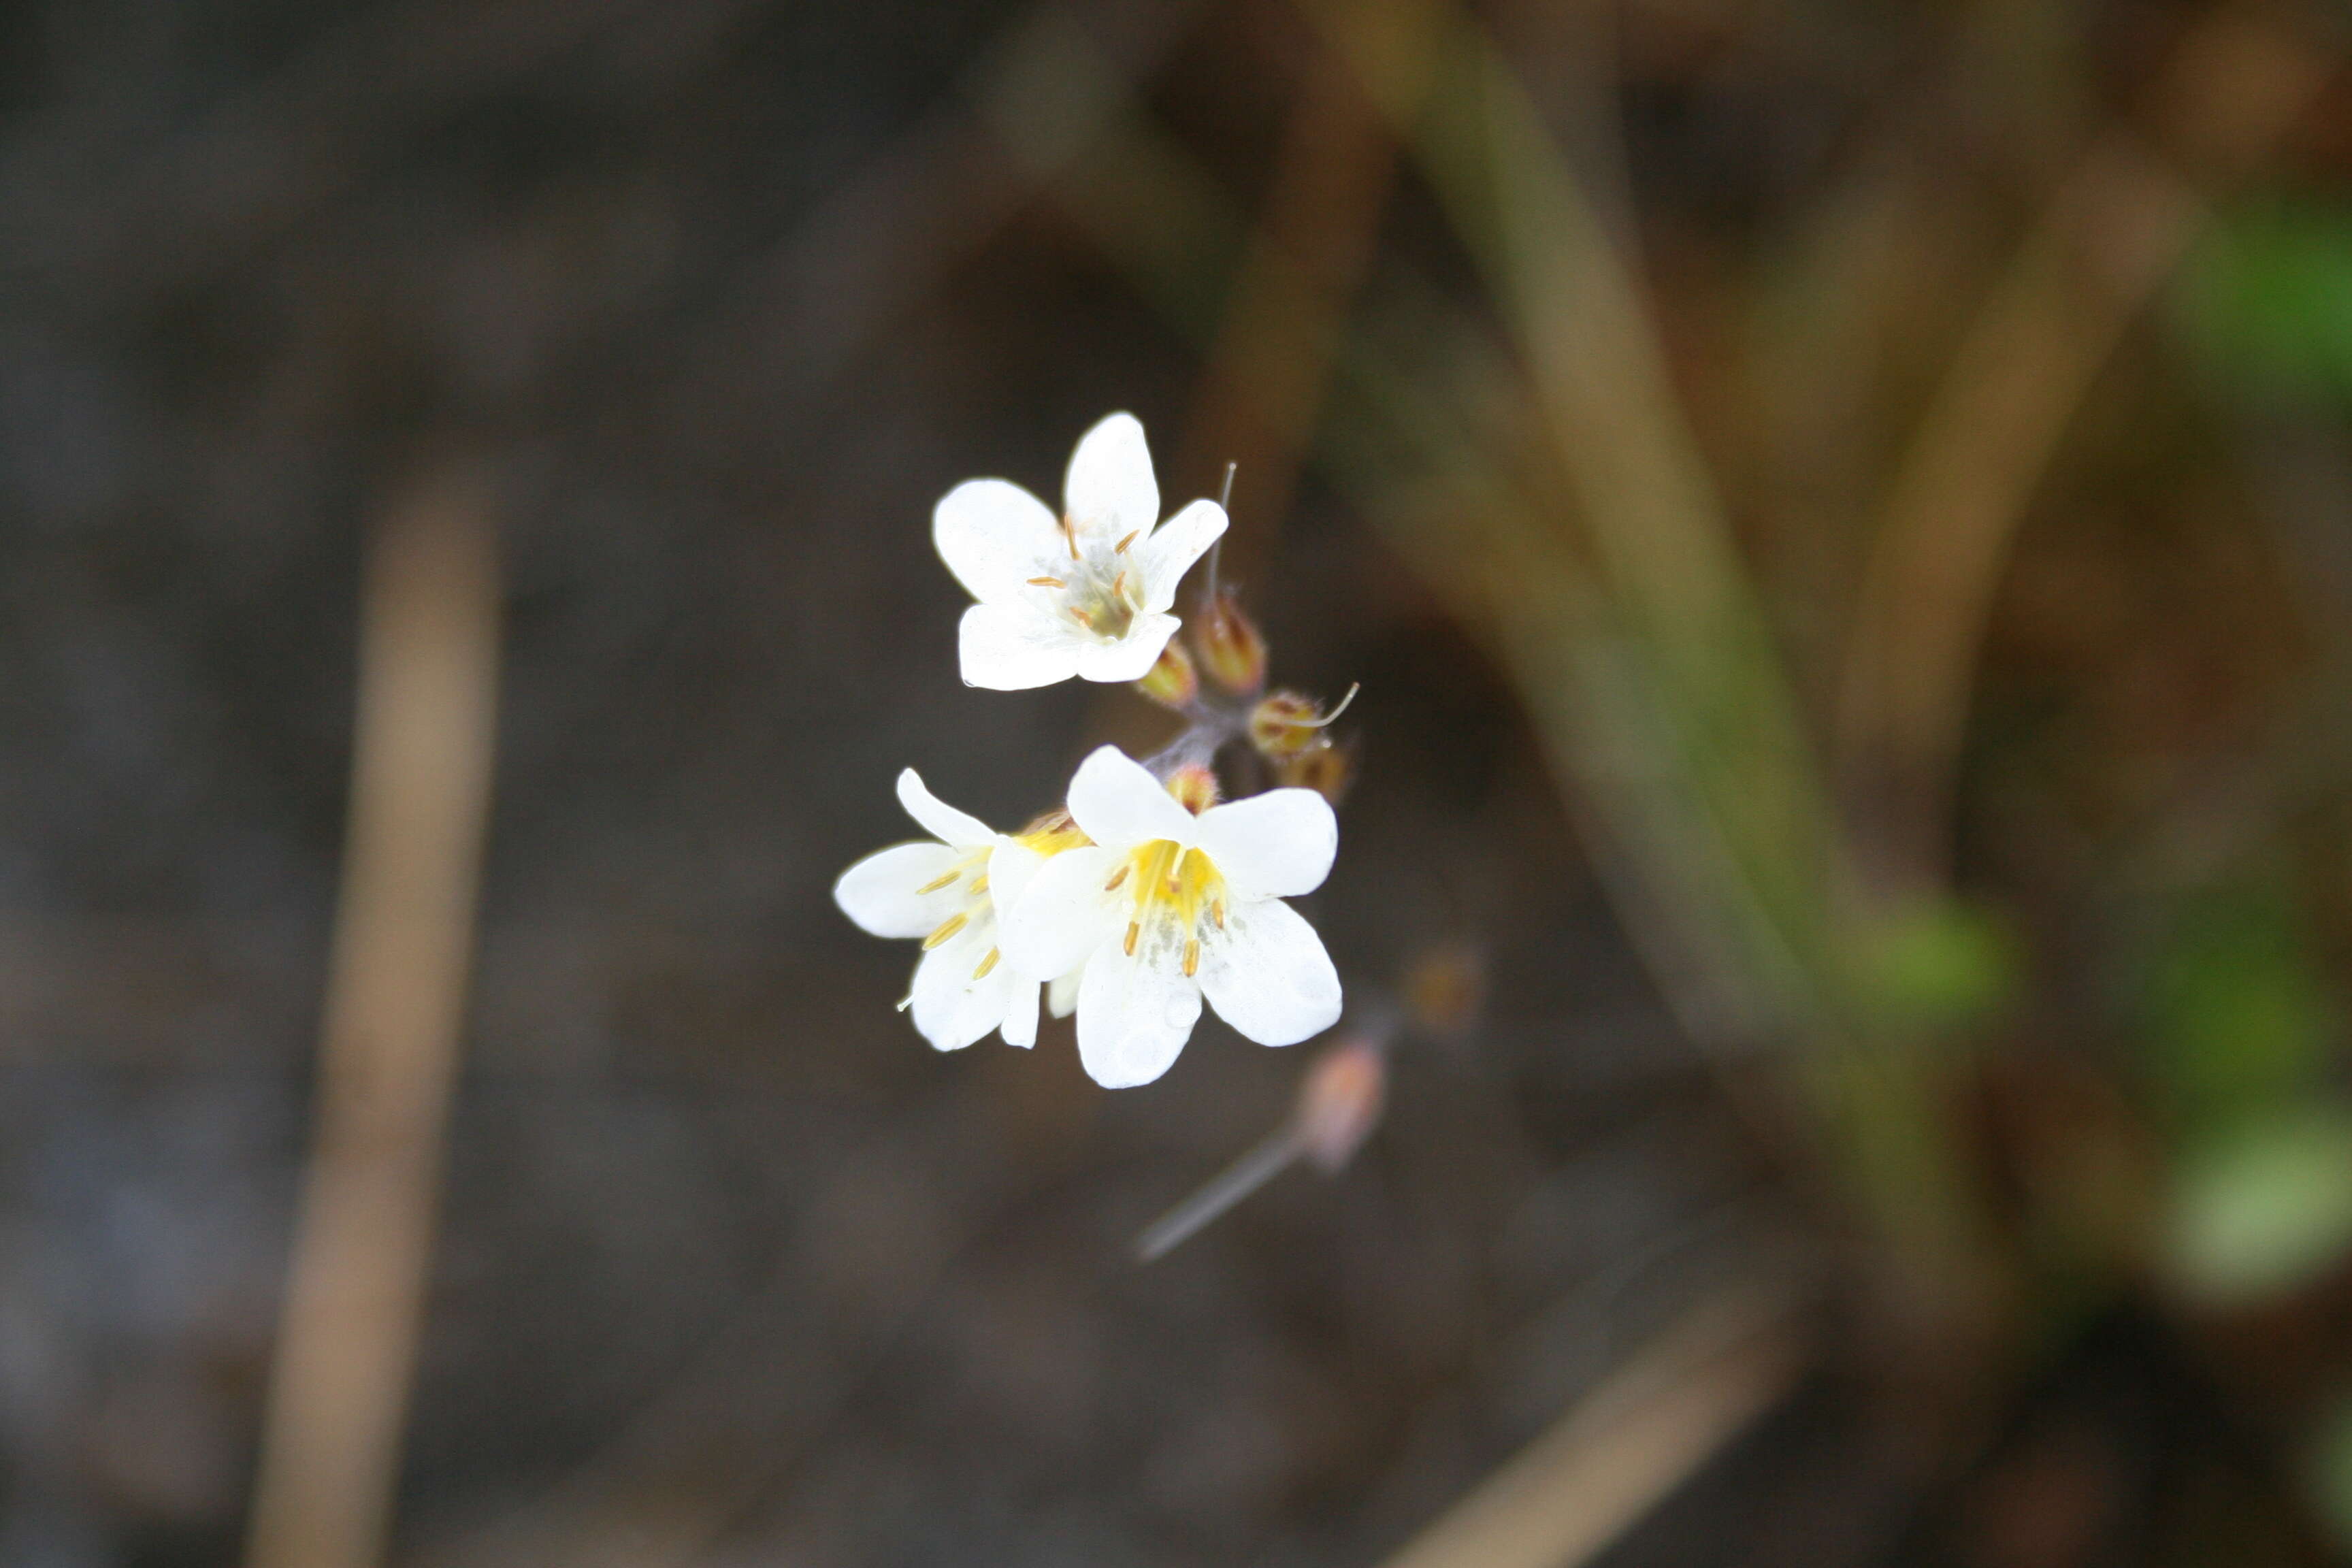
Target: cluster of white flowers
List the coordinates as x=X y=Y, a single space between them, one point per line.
x=1144 y=895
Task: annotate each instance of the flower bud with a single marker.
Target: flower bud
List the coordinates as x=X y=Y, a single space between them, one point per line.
x=1285 y=724
x=1288 y=725
x=1340 y=1102
x=1324 y=768
x=1194 y=785
x=1172 y=682
x=1230 y=648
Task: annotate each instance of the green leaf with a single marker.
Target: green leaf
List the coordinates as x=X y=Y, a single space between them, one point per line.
x=2236 y=1012
x=2264 y=1210
x=2266 y=298
x=1934 y=965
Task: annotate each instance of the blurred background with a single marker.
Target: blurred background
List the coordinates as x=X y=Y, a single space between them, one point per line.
x=1843 y=517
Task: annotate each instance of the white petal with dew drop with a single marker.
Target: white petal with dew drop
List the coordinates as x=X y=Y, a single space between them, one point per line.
x=941 y=820
x=1021 y=1012
x=1062 y=992
x=1134 y=1015
x=1266 y=974
x=992 y=534
x=952 y=1008
x=1008 y=649
x=1169 y=553
x=1108 y=490
x=1119 y=803
x=1064 y=912
x=881 y=894
x=1278 y=845
x=1132 y=656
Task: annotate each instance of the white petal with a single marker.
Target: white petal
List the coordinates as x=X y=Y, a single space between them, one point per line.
x=1010 y=865
x=1169 y=553
x=938 y=818
x=1109 y=490
x=1119 y=803
x=992 y=534
x=1267 y=974
x=1134 y=1015
x=1020 y=1025
x=952 y=1009
x=1005 y=648
x=1065 y=913
x=1132 y=656
x=1278 y=845
x=880 y=892
x=1062 y=992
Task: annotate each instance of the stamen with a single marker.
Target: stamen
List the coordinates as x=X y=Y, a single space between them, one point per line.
x=1120 y=548
x=1119 y=586
x=1217 y=913
x=934 y=886
x=988 y=964
x=1047 y=583
x=1070 y=532
x=1134 y=930
x=1117 y=878
x=980 y=883
x=907 y=1001
x=1191 y=958
x=1083 y=618
x=947 y=928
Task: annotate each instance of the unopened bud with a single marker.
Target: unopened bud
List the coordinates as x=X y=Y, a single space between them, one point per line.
x=1230 y=648
x=1340 y=1103
x=1324 y=768
x=1194 y=785
x=1287 y=724
x=1446 y=988
x=1172 y=682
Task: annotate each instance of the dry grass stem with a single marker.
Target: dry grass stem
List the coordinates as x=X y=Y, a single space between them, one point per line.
x=1627 y=1446
x=388 y=1051
x=2111 y=235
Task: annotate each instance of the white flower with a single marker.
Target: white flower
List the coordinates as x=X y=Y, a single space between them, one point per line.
x=948 y=893
x=1166 y=907
x=1084 y=594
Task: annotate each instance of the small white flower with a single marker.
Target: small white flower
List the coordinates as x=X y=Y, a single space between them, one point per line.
x=1087 y=593
x=1166 y=907
x=948 y=893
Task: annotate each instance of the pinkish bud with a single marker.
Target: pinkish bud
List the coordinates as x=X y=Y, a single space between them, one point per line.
x=1340 y=1102
x=1194 y=785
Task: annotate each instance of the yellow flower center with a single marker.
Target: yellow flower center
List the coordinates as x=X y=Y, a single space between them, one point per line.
x=1175 y=889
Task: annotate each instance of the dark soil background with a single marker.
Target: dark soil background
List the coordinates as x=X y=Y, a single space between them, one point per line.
x=723 y=1240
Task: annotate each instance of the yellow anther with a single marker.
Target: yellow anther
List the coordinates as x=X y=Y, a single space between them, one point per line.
x=1134 y=930
x=980 y=883
x=1047 y=583
x=1191 y=958
x=990 y=962
x=947 y=928
x=1217 y=913
x=1070 y=532
x=1116 y=878
x=1120 y=548
x=936 y=884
